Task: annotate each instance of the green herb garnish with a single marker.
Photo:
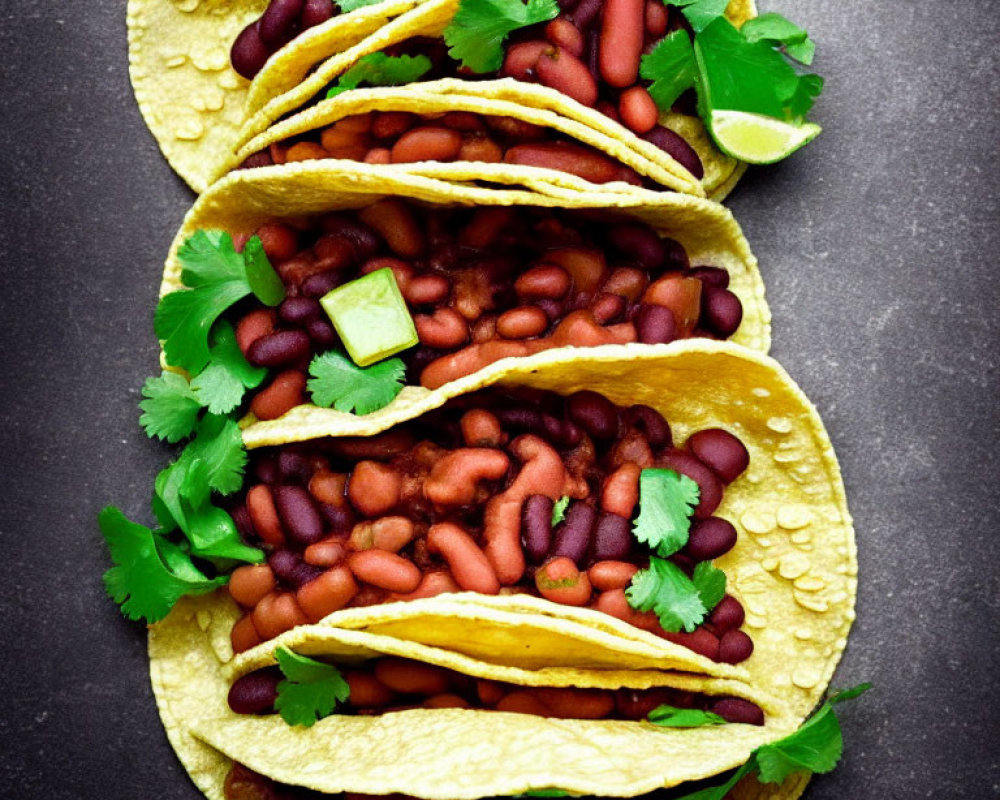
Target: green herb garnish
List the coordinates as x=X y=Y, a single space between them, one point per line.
x=559 y=510
x=666 y=501
x=347 y=6
x=672 y=717
x=664 y=589
x=170 y=408
x=378 y=69
x=710 y=582
x=311 y=689
x=476 y=34
x=340 y=383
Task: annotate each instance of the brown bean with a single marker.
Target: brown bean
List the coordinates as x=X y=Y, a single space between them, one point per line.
x=326 y=553
x=563 y=33
x=446 y=701
x=374 y=488
x=580 y=329
x=286 y=391
x=367 y=691
x=341 y=134
x=378 y=155
x=512 y=129
x=657 y=18
x=522 y=322
x=565 y=157
x=605 y=575
x=412 y=677
x=465 y=121
x=426 y=289
x=445 y=329
x=392 y=124
x=572 y=703
x=305 y=151
x=546 y=280
x=427 y=144
x=388 y=533
x=608 y=307
x=627 y=282
x=682 y=296
x=560 y=581
x=637 y=109
x=520 y=60
x=330 y=592
x=280 y=242
x=454 y=479
x=276 y=613
x=468 y=563
x=468 y=360
x=559 y=69
x=620 y=493
x=431 y=585
x=257 y=324
x=623 y=332
x=244 y=635
x=480 y=428
x=260 y=505
x=485 y=226
x=489 y=692
x=480 y=148
x=721 y=451
x=615 y=603
x=385 y=570
x=401 y=271
x=329 y=487
x=523 y=701
x=393 y=220
x=622 y=28
x=381 y=447
x=586 y=266
x=248 y=584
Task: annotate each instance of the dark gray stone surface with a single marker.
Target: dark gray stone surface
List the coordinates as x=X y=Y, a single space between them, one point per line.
x=878 y=244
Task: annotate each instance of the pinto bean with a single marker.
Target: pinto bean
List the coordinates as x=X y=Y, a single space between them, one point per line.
x=329 y=487
x=255 y=325
x=447 y=700
x=627 y=282
x=523 y=701
x=388 y=533
x=605 y=575
x=453 y=481
x=411 y=677
x=632 y=447
x=378 y=155
x=561 y=70
x=622 y=29
x=522 y=322
x=620 y=493
x=385 y=570
x=427 y=289
x=393 y=220
x=563 y=33
x=545 y=280
x=443 y=330
x=560 y=581
x=286 y=391
x=330 y=592
x=580 y=329
x=468 y=563
x=481 y=428
x=305 y=151
x=471 y=359
x=427 y=144
x=374 y=488
x=344 y=134
x=392 y=124
x=248 y=584
x=263 y=514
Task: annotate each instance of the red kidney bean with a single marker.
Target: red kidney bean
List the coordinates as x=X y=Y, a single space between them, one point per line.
x=635 y=704
x=260 y=505
x=654 y=324
x=710 y=538
x=335 y=251
x=427 y=144
x=727 y=615
x=301 y=520
x=722 y=452
x=250 y=583
x=559 y=69
x=337 y=519
x=701 y=641
x=443 y=330
x=708 y=484
x=734 y=647
x=392 y=124
x=657 y=19
x=622 y=29
x=249 y=53
x=394 y=221
x=366 y=692
x=385 y=570
x=721 y=311
x=585 y=13
x=612 y=537
x=330 y=592
x=736 y=709
x=520 y=60
x=593 y=412
x=255 y=692
x=266 y=470
x=572 y=703
x=322 y=333
x=565 y=157
x=711 y=276
x=277 y=349
x=489 y=692
x=427 y=289
x=280 y=22
x=363 y=239
x=607 y=575
x=299 y=310
x=572 y=537
x=536 y=527
x=522 y=322
x=682 y=296
x=546 y=280
x=638 y=243
x=290 y=569
x=523 y=701
x=614 y=603
x=563 y=33
x=319 y=285
x=608 y=307
x=374 y=490
x=677 y=148
x=649 y=422
x=280 y=242
x=411 y=677
x=562 y=582
x=255 y=325
x=277 y=613
x=468 y=563
x=620 y=492
x=316 y=12
x=637 y=110
x=294 y=465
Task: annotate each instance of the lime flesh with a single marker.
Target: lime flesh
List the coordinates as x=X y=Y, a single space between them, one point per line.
x=757 y=139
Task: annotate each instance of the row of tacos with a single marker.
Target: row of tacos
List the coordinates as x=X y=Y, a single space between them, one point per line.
x=581 y=504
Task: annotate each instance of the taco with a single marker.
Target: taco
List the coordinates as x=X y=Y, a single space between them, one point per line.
x=466 y=286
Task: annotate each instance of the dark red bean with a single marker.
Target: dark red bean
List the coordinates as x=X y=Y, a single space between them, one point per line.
x=676 y=256
x=593 y=412
x=608 y=308
x=249 y=53
x=365 y=241
x=711 y=276
x=710 y=538
x=291 y=569
x=277 y=349
x=298 y=514
x=299 y=310
x=735 y=709
x=710 y=488
x=721 y=311
x=612 y=537
x=536 y=527
x=654 y=324
x=734 y=647
x=722 y=452
x=338 y=520
x=585 y=12
x=322 y=333
x=261 y=159
x=267 y=471
x=294 y=466
x=573 y=535
x=316 y=12
x=280 y=22
x=651 y=423
x=318 y=285
x=700 y=640
x=243 y=522
x=677 y=148
x=639 y=243
x=727 y=615
x=255 y=692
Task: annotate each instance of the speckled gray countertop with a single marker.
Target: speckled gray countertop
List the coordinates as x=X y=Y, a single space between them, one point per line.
x=878 y=245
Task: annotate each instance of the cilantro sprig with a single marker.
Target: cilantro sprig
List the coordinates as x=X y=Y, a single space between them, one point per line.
x=666 y=500
x=379 y=69
x=559 y=510
x=667 y=716
x=339 y=383
x=476 y=34
x=311 y=689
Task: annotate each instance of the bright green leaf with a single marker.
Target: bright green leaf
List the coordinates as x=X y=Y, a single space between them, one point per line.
x=664 y=589
x=221 y=385
x=672 y=717
x=379 y=69
x=264 y=281
x=671 y=67
x=843 y=695
x=815 y=747
x=347 y=6
x=338 y=382
x=559 y=510
x=710 y=583
x=311 y=689
x=170 y=409
x=476 y=34
x=666 y=500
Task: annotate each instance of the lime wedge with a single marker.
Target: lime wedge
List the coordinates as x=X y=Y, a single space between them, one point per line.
x=757 y=139
x=371 y=317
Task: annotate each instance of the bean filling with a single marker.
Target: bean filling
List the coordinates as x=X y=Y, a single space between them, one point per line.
x=482 y=284
x=281 y=22
x=462 y=500
x=390 y=684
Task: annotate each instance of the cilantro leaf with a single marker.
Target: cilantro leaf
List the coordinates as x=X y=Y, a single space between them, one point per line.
x=150 y=574
x=666 y=500
x=264 y=281
x=352 y=5
x=559 y=510
x=778 y=30
x=338 y=382
x=710 y=583
x=671 y=67
x=209 y=257
x=848 y=694
x=221 y=385
x=311 y=690
x=700 y=13
x=806 y=92
x=476 y=34
x=815 y=747
x=672 y=717
x=664 y=589
x=219 y=444
x=170 y=409
x=379 y=69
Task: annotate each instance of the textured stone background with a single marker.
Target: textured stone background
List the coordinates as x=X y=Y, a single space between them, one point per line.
x=878 y=244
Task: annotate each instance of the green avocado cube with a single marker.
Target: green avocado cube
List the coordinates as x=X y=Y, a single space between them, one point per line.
x=371 y=317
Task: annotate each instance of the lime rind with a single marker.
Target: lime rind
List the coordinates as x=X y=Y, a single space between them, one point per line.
x=758 y=139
